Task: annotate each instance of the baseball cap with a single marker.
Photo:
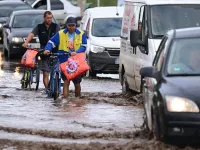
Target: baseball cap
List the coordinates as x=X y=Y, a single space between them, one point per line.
x=71 y=20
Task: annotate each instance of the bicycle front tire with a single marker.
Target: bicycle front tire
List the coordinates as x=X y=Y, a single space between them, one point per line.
x=37 y=78
x=56 y=87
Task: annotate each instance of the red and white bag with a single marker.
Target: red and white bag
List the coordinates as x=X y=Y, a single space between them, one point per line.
x=29 y=58
x=75 y=66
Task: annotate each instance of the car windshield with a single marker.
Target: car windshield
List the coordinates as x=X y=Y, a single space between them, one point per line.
x=5 y=11
x=30 y=1
x=107 y=27
x=27 y=20
x=184 y=58
x=166 y=17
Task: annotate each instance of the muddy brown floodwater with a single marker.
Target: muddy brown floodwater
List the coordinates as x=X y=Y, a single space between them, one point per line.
x=101 y=119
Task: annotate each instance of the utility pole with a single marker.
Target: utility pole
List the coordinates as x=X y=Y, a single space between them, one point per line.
x=98 y=3
x=81 y=4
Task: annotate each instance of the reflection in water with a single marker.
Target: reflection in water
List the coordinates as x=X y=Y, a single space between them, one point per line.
x=17 y=74
x=1 y=64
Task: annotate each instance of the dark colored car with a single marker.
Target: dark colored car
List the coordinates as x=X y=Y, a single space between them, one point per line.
x=171 y=86
x=21 y=23
x=6 y=8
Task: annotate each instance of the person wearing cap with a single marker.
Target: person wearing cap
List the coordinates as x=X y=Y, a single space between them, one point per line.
x=71 y=40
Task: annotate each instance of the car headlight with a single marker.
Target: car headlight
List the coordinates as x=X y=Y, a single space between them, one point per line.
x=1 y=25
x=97 y=49
x=179 y=104
x=17 y=39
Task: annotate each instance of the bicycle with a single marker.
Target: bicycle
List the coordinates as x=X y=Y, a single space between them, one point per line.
x=54 y=86
x=31 y=75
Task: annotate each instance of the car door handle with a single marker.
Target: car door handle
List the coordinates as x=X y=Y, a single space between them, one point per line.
x=65 y=13
x=144 y=83
x=125 y=38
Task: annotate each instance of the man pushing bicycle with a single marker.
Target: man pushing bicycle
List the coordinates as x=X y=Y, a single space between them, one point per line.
x=70 y=40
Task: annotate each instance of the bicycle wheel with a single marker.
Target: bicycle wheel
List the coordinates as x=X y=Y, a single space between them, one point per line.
x=28 y=79
x=50 y=87
x=23 y=80
x=56 y=87
x=37 y=72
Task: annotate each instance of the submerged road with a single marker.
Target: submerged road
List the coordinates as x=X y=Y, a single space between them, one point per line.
x=101 y=119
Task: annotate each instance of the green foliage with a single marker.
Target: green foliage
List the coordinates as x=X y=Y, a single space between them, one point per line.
x=102 y=2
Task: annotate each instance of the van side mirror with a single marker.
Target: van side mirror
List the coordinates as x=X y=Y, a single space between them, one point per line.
x=134 y=39
x=87 y=34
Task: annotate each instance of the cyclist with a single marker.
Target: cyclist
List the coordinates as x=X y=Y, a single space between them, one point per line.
x=44 y=31
x=70 y=40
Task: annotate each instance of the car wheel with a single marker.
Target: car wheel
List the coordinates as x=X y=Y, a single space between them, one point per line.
x=145 y=110
x=125 y=87
x=10 y=56
x=5 y=52
x=156 y=126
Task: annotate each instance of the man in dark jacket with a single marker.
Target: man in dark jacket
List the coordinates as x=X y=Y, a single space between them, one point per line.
x=44 y=31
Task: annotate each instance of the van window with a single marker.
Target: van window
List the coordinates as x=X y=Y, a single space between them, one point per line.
x=106 y=27
x=159 y=58
x=56 y=5
x=142 y=27
x=166 y=17
x=88 y=27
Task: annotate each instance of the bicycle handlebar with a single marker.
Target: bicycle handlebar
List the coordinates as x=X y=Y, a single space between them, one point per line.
x=58 y=54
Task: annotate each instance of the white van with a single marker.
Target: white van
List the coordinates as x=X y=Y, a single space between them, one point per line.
x=103 y=28
x=144 y=24
x=61 y=9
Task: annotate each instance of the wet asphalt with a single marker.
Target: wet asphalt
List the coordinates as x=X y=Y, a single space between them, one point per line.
x=102 y=118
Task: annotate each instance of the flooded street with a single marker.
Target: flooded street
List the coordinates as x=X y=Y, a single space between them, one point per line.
x=101 y=119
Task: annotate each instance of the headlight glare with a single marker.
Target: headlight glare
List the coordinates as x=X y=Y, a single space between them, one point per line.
x=179 y=104
x=97 y=49
x=17 y=39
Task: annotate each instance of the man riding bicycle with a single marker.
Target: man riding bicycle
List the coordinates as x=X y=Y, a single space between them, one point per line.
x=44 y=31
x=70 y=40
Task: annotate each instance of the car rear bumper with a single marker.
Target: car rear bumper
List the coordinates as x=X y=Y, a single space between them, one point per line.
x=104 y=62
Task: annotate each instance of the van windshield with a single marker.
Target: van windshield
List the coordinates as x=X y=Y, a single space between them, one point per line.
x=166 y=17
x=107 y=27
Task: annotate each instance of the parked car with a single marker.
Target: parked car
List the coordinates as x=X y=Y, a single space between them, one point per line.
x=6 y=8
x=171 y=86
x=151 y=19
x=61 y=9
x=20 y=24
x=103 y=26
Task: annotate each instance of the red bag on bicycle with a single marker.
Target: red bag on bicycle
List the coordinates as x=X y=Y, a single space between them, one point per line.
x=75 y=66
x=29 y=57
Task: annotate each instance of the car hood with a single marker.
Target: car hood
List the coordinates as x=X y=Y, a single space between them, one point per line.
x=187 y=87
x=3 y=19
x=20 y=32
x=108 y=42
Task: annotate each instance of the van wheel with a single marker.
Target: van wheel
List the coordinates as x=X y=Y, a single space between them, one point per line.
x=91 y=74
x=125 y=87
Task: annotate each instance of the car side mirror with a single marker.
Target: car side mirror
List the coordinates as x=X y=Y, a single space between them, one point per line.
x=150 y=72
x=134 y=39
x=6 y=26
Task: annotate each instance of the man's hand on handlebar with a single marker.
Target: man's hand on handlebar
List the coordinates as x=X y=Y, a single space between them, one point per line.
x=46 y=52
x=25 y=45
x=73 y=53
